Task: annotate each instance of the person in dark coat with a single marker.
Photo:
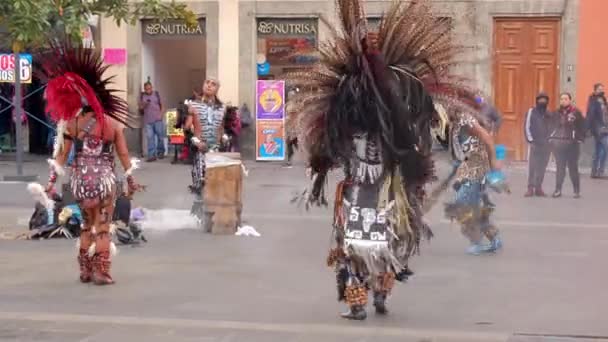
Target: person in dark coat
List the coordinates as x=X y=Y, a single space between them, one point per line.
x=565 y=140
x=597 y=125
x=537 y=129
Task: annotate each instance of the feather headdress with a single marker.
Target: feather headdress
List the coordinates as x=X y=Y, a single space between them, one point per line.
x=385 y=84
x=75 y=79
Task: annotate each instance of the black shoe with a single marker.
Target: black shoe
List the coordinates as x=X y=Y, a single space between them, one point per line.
x=404 y=274
x=151 y=159
x=557 y=193
x=356 y=313
x=380 y=303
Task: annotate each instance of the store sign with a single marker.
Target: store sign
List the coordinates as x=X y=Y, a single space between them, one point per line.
x=7 y=68
x=172 y=28
x=287 y=27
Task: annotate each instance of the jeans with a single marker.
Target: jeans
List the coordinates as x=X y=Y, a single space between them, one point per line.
x=155 y=136
x=599 y=155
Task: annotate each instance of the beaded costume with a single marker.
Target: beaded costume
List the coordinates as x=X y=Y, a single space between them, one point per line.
x=367 y=108
x=471 y=206
x=88 y=116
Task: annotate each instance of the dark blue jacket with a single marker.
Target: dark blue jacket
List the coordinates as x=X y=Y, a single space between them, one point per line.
x=595 y=116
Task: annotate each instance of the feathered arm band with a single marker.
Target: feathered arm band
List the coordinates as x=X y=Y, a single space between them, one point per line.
x=58 y=148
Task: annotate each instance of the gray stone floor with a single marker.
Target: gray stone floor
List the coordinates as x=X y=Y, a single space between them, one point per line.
x=548 y=284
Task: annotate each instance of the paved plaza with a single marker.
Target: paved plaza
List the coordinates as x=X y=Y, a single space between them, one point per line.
x=548 y=284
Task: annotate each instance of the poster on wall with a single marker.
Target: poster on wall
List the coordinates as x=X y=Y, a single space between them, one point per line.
x=270 y=140
x=7 y=68
x=270 y=120
x=270 y=100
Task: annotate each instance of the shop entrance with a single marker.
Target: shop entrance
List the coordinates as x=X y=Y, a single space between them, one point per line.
x=174 y=59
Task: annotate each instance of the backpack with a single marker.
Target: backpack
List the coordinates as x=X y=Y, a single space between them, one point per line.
x=141 y=98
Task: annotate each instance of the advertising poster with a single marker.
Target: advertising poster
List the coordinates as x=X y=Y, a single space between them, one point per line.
x=7 y=68
x=175 y=135
x=270 y=140
x=270 y=100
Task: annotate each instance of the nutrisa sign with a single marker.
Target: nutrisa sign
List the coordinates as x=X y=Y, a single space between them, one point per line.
x=287 y=27
x=172 y=29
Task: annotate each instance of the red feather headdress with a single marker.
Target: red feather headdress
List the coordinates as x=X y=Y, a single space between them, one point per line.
x=75 y=79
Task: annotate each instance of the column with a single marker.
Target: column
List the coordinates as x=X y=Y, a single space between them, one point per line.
x=115 y=37
x=228 y=51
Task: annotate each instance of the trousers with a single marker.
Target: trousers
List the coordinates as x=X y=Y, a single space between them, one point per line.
x=155 y=137
x=599 y=155
x=566 y=156
x=537 y=165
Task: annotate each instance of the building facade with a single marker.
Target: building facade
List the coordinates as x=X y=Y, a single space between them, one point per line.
x=517 y=48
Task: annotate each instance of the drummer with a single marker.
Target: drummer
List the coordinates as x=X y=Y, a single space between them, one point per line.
x=205 y=119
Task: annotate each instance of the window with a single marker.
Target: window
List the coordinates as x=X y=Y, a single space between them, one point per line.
x=285 y=44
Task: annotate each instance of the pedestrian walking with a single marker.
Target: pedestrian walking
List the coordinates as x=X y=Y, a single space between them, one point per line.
x=565 y=140
x=151 y=108
x=536 y=129
x=292 y=137
x=597 y=124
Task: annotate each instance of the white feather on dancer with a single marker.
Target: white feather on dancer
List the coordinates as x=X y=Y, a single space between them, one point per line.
x=40 y=195
x=92 y=249
x=56 y=167
x=58 y=146
x=134 y=166
x=113 y=249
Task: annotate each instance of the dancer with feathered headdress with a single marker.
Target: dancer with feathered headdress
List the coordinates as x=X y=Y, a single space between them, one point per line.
x=367 y=107
x=89 y=116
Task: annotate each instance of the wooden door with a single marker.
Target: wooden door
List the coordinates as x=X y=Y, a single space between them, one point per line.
x=526 y=62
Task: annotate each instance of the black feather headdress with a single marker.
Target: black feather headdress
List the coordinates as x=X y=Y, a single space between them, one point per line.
x=75 y=78
x=384 y=84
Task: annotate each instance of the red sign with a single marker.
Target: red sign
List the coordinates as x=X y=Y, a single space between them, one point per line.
x=282 y=51
x=115 y=56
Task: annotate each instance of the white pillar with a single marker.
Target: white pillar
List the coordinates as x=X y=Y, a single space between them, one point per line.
x=115 y=37
x=228 y=51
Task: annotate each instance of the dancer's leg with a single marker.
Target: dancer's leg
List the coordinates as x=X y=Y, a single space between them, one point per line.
x=84 y=242
x=104 y=247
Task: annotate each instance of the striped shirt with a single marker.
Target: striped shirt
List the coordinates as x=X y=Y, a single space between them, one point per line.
x=211 y=117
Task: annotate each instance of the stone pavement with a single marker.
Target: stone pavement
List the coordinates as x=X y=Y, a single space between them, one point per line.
x=548 y=284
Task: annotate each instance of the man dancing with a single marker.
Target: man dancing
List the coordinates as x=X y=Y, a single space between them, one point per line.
x=367 y=108
x=473 y=147
x=89 y=117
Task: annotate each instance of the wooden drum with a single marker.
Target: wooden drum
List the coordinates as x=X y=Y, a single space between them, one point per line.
x=223 y=194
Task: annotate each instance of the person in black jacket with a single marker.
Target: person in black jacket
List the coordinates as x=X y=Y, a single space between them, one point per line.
x=565 y=139
x=597 y=125
x=536 y=130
